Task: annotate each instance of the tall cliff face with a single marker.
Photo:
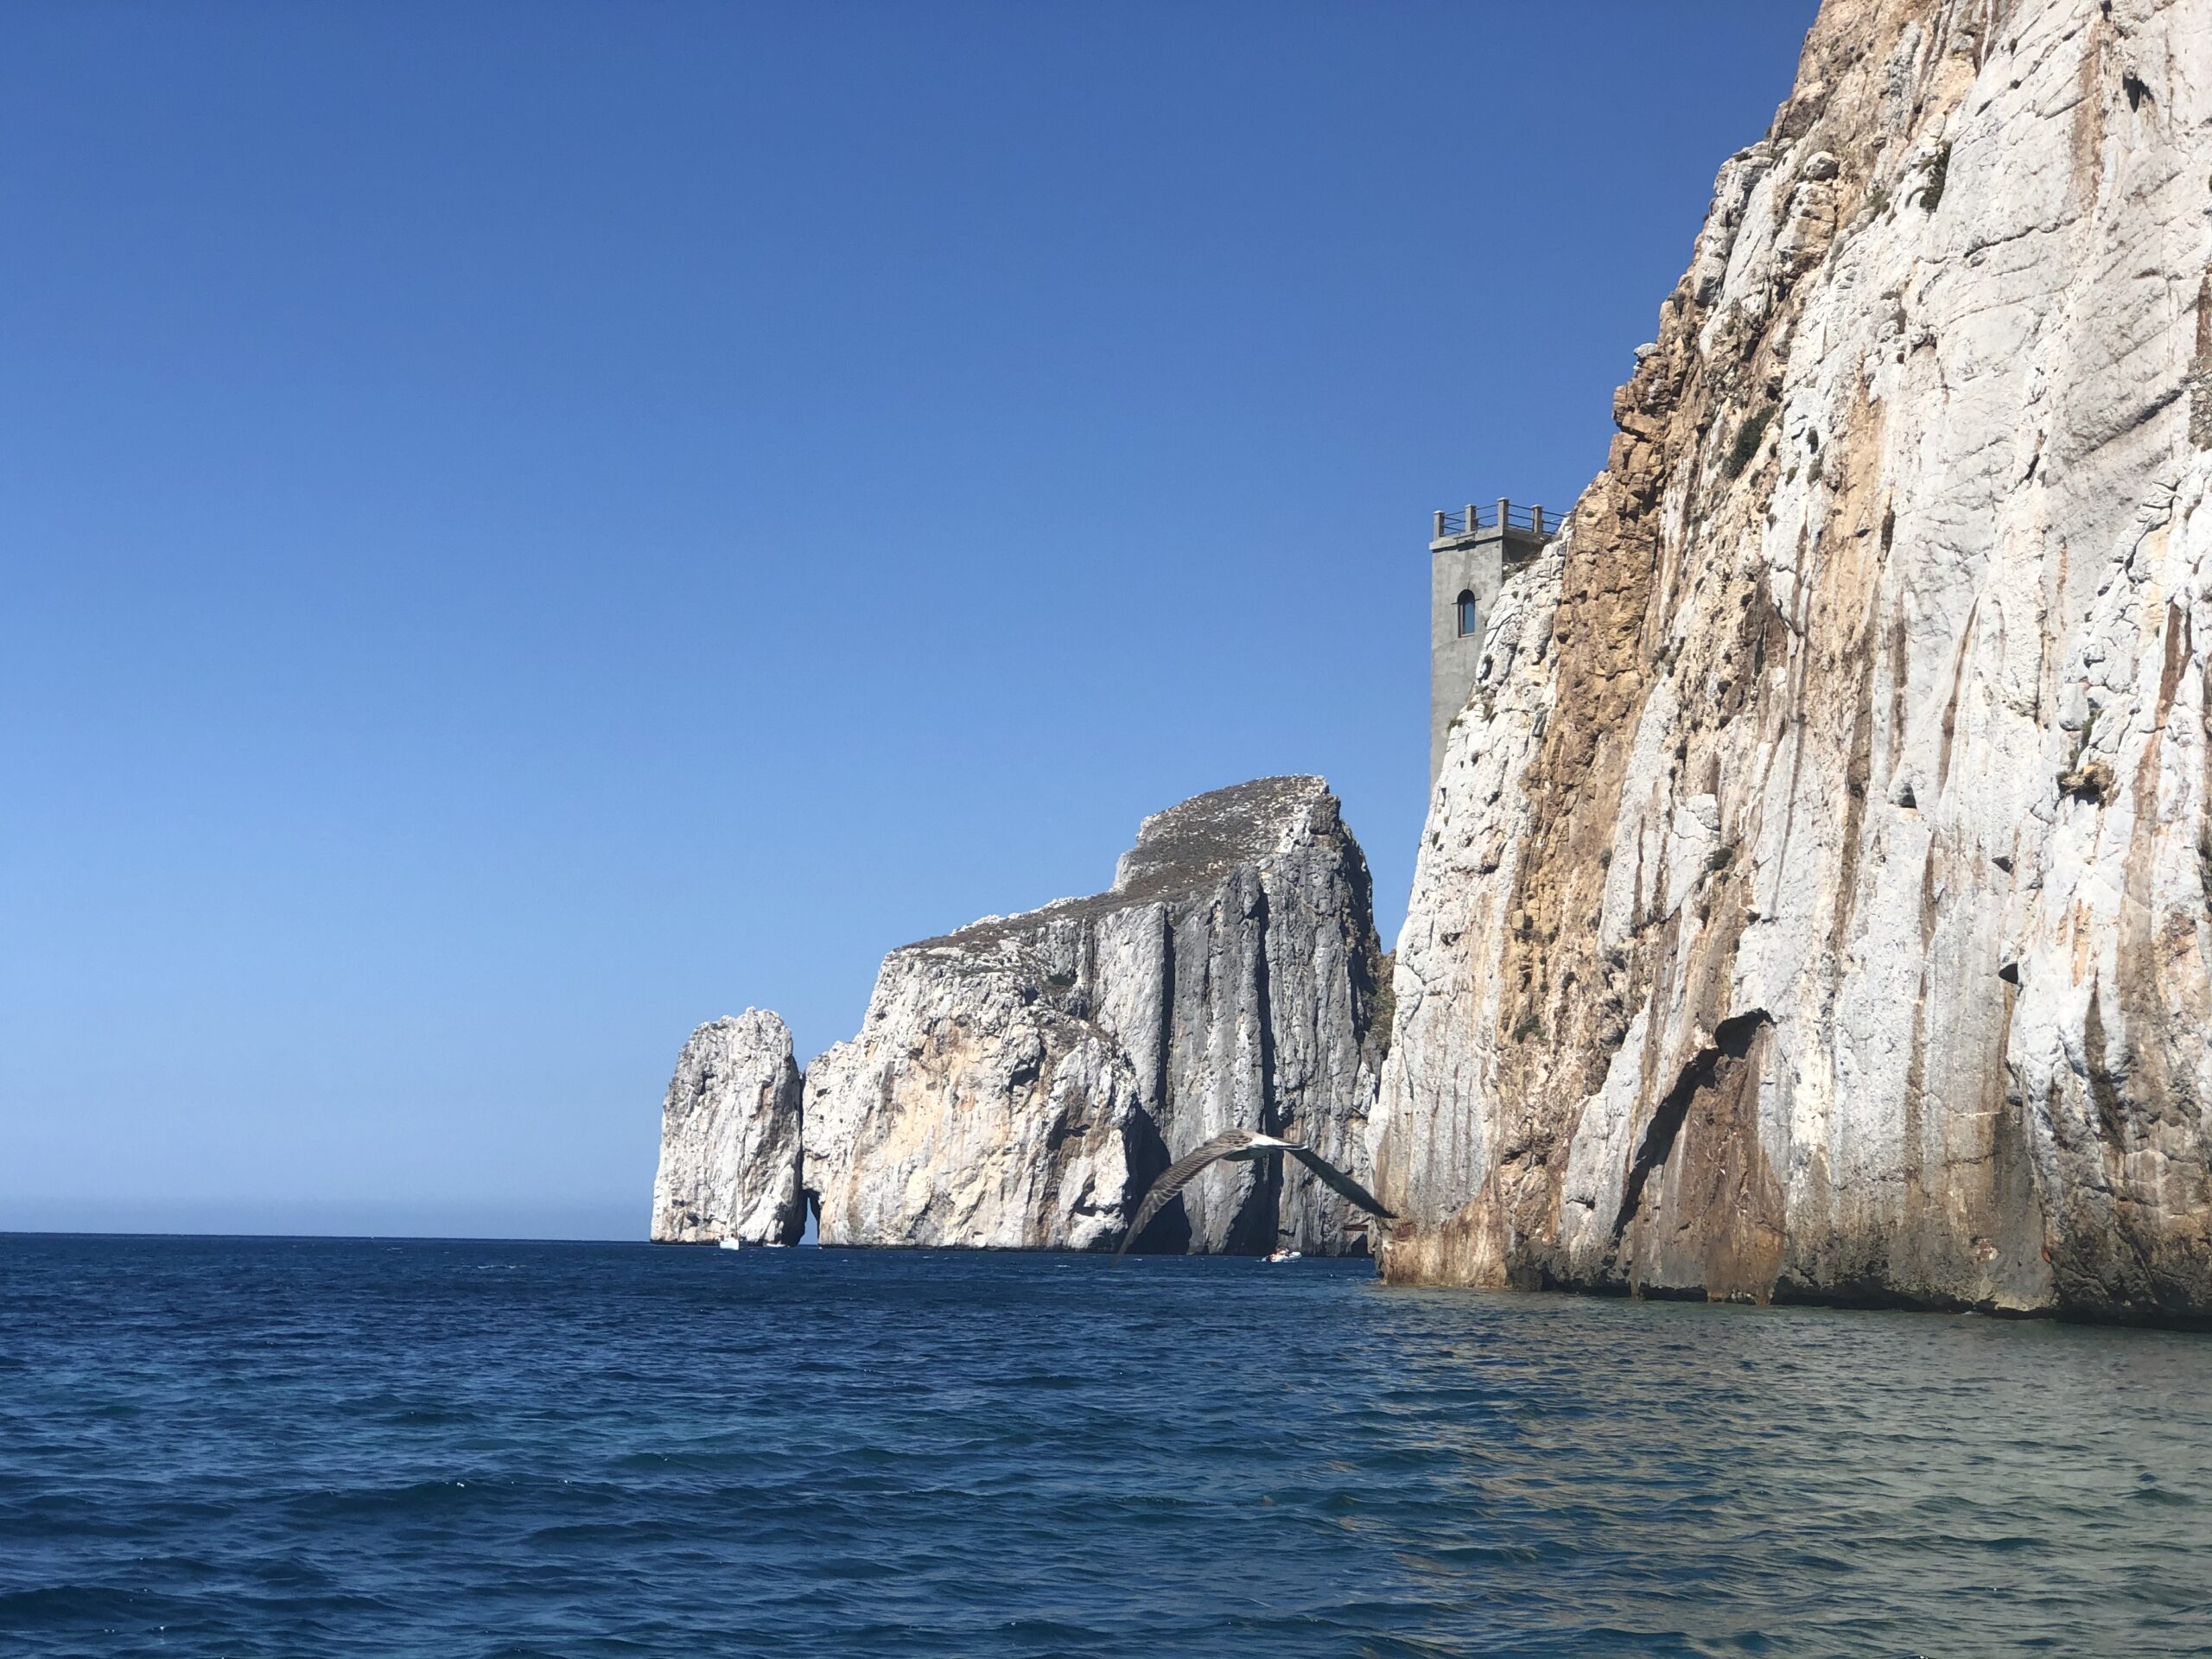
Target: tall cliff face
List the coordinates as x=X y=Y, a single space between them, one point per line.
x=1019 y=1082
x=1817 y=901
x=730 y=1143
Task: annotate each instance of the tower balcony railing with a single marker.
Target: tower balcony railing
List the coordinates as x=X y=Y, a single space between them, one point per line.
x=1476 y=515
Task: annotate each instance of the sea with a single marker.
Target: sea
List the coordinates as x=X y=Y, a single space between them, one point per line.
x=302 y=1449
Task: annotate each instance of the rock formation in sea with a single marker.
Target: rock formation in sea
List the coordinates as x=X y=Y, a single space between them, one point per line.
x=1017 y=1084
x=1817 y=899
x=729 y=1138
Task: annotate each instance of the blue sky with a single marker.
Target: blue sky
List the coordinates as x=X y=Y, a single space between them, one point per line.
x=528 y=526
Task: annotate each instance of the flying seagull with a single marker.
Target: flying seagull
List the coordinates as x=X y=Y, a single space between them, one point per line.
x=1244 y=1147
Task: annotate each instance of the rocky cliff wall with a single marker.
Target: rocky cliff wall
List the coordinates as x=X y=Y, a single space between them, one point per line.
x=1817 y=900
x=1019 y=1082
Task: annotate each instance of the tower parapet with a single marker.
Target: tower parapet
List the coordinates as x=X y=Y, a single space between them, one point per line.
x=1470 y=553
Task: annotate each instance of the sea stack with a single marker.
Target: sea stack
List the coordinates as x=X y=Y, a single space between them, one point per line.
x=729 y=1138
x=1816 y=896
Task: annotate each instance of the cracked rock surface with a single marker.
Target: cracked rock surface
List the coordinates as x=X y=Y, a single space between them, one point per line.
x=1817 y=900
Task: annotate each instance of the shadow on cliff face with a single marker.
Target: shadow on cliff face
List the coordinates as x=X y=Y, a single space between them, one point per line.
x=1703 y=1212
x=2127 y=1248
x=1169 y=1232
x=1255 y=1225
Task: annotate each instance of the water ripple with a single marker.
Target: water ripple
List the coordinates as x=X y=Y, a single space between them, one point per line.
x=494 y=1451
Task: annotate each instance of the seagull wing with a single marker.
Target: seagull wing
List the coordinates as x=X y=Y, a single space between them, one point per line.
x=1332 y=1177
x=1177 y=1176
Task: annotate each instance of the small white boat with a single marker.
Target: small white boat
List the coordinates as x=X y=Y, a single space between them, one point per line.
x=732 y=1243
x=1285 y=1256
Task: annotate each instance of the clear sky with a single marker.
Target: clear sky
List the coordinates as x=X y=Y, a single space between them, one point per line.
x=531 y=525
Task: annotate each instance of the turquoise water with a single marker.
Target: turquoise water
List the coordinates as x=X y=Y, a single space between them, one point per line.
x=335 y=1448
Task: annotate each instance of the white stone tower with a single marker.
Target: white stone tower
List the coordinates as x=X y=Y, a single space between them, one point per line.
x=1470 y=554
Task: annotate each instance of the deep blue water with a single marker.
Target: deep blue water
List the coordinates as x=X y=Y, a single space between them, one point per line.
x=282 y=1448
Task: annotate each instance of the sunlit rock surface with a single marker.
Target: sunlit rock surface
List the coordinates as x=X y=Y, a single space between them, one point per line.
x=729 y=1146
x=1817 y=900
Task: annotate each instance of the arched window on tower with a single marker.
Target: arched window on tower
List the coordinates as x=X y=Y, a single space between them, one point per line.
x=1467 y=613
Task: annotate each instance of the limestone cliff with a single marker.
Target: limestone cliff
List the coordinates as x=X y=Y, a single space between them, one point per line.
x=1817 y=900
x=1018 y=1083
x=729 y=1145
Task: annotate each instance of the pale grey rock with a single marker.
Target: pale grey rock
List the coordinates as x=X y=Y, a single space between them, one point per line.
x=1016 y=1084
x=730 y=1138
x=1816 y=902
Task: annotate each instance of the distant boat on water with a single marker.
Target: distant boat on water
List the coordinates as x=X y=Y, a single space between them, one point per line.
x=732 y=1243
